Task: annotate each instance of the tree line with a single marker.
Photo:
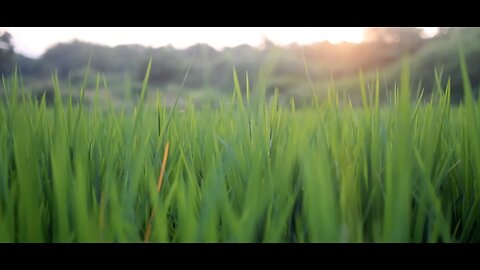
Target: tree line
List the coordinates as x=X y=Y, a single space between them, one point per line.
x=210 y=68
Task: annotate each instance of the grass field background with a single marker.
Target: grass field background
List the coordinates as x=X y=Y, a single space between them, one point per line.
x=250 y=169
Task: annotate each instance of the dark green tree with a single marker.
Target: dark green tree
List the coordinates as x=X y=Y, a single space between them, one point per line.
x=407 y=39
x=7 y=54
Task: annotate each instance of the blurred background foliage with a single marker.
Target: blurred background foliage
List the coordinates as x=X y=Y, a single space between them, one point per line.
x=210 y=70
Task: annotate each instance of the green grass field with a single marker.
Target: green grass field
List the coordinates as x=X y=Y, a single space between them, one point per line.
x=250 y=170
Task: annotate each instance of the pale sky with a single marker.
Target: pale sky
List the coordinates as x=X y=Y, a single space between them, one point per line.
x=33 y=41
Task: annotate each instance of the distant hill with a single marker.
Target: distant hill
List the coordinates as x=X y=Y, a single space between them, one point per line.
x=212 y=69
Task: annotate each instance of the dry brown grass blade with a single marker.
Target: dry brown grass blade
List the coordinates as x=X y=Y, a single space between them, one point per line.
x=162 y=171
x=102 y=212
x=102 y=209
x=148 y=231
x=159 y=187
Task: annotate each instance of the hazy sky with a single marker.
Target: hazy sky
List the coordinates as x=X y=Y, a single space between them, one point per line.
x=33 y=41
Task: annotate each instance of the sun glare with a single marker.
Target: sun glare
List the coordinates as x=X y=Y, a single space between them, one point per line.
x=316 y=34
x=34 y=41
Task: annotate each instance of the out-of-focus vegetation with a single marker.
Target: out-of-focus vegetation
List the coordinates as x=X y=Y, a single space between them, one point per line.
x=6 y=53
x=293 y=69
x=248 y=171
x=243 y=169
